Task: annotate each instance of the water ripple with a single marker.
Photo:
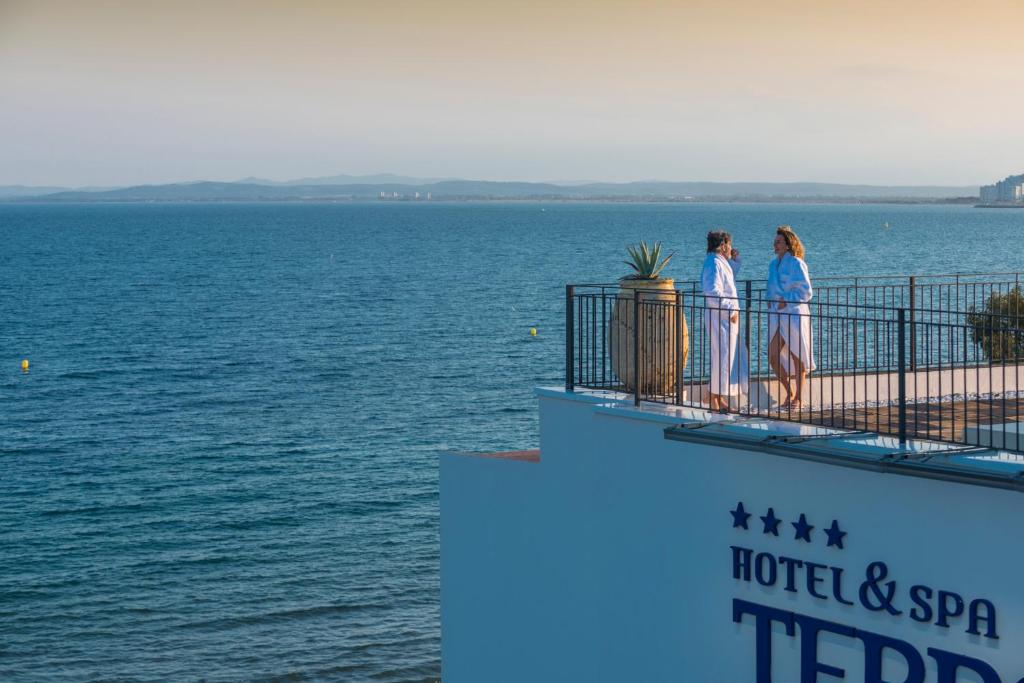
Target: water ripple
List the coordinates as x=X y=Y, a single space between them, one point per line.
x=222 y=465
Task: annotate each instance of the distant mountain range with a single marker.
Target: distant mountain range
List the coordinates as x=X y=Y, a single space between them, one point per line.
x=342 y=179
x=392 y=187
x=22 y=191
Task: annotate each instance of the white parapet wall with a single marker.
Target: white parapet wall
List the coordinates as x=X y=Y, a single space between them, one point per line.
x=628 y=553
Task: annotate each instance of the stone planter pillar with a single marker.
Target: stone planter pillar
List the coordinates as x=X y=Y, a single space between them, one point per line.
x=660 y=324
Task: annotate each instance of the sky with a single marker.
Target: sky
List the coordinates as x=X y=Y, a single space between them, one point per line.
x=101 y=93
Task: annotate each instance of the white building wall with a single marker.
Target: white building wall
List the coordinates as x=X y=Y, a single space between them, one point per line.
x=610 y=560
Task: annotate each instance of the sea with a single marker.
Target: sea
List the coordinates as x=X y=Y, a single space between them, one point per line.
x=222 y=462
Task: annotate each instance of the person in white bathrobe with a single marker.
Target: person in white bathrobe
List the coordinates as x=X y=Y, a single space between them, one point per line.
x=788 y=293
x=726 y=350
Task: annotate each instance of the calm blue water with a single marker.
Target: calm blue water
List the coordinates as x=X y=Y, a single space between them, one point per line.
x=223 y=462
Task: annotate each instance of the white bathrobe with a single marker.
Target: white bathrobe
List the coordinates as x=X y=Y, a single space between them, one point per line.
x=789 y=281
x=726 y=351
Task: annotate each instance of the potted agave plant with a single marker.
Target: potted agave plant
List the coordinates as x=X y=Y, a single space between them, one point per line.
x=659 y=324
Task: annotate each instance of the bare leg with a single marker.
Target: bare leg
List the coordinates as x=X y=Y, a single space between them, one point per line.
x=800 y=372
x=716 y=402
x=775 y=351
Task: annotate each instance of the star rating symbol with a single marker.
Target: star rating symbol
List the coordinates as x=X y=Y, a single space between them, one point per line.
x=739 y=517
x=803 y=529
x=771 y=522
x=835 y=536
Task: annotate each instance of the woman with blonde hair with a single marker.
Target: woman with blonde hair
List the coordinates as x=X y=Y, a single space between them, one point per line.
x=789 y=291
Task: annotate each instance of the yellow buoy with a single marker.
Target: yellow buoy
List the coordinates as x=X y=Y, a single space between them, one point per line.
x=533 y=331
x=24 y=365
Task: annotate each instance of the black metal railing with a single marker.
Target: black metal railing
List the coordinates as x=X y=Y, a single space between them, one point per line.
x=946 y=368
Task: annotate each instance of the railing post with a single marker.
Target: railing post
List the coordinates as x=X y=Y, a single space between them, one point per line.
x=901 y=342
x=913 y=326
x=746 y=316
x=570 y=334
x=679 y=347
x=636 y=347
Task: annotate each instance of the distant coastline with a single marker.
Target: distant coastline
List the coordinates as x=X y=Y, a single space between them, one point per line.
x=909 y=201
x=964 y=201
x=377 y=188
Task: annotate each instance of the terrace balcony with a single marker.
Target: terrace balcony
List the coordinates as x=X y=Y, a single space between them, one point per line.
x=938 y=358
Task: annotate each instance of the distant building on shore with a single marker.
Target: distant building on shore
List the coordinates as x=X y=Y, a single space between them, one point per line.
x=402 y=197
x=1008 y=190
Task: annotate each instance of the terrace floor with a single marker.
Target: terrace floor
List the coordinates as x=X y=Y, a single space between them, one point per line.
x=938 y=420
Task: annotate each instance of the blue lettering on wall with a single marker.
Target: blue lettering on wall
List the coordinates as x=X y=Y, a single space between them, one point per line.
x=876 y=646
x=877 y=593
x=837 y=586
x=810 y=665
x=763 y=618
x=741 y=563
x=813 y=579
x=950 y=605
x=765 y=569
x=949 y=664
x=989 y=617
x=920 y=595
x=791 y=566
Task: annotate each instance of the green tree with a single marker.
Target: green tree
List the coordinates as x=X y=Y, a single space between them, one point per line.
x=999 y=327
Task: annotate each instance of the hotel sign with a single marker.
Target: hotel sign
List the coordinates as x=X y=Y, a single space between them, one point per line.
x=875 y=588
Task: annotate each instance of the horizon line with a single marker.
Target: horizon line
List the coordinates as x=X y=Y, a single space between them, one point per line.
x=404 y=179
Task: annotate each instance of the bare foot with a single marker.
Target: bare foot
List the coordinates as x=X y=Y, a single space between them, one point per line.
x=789 y=395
